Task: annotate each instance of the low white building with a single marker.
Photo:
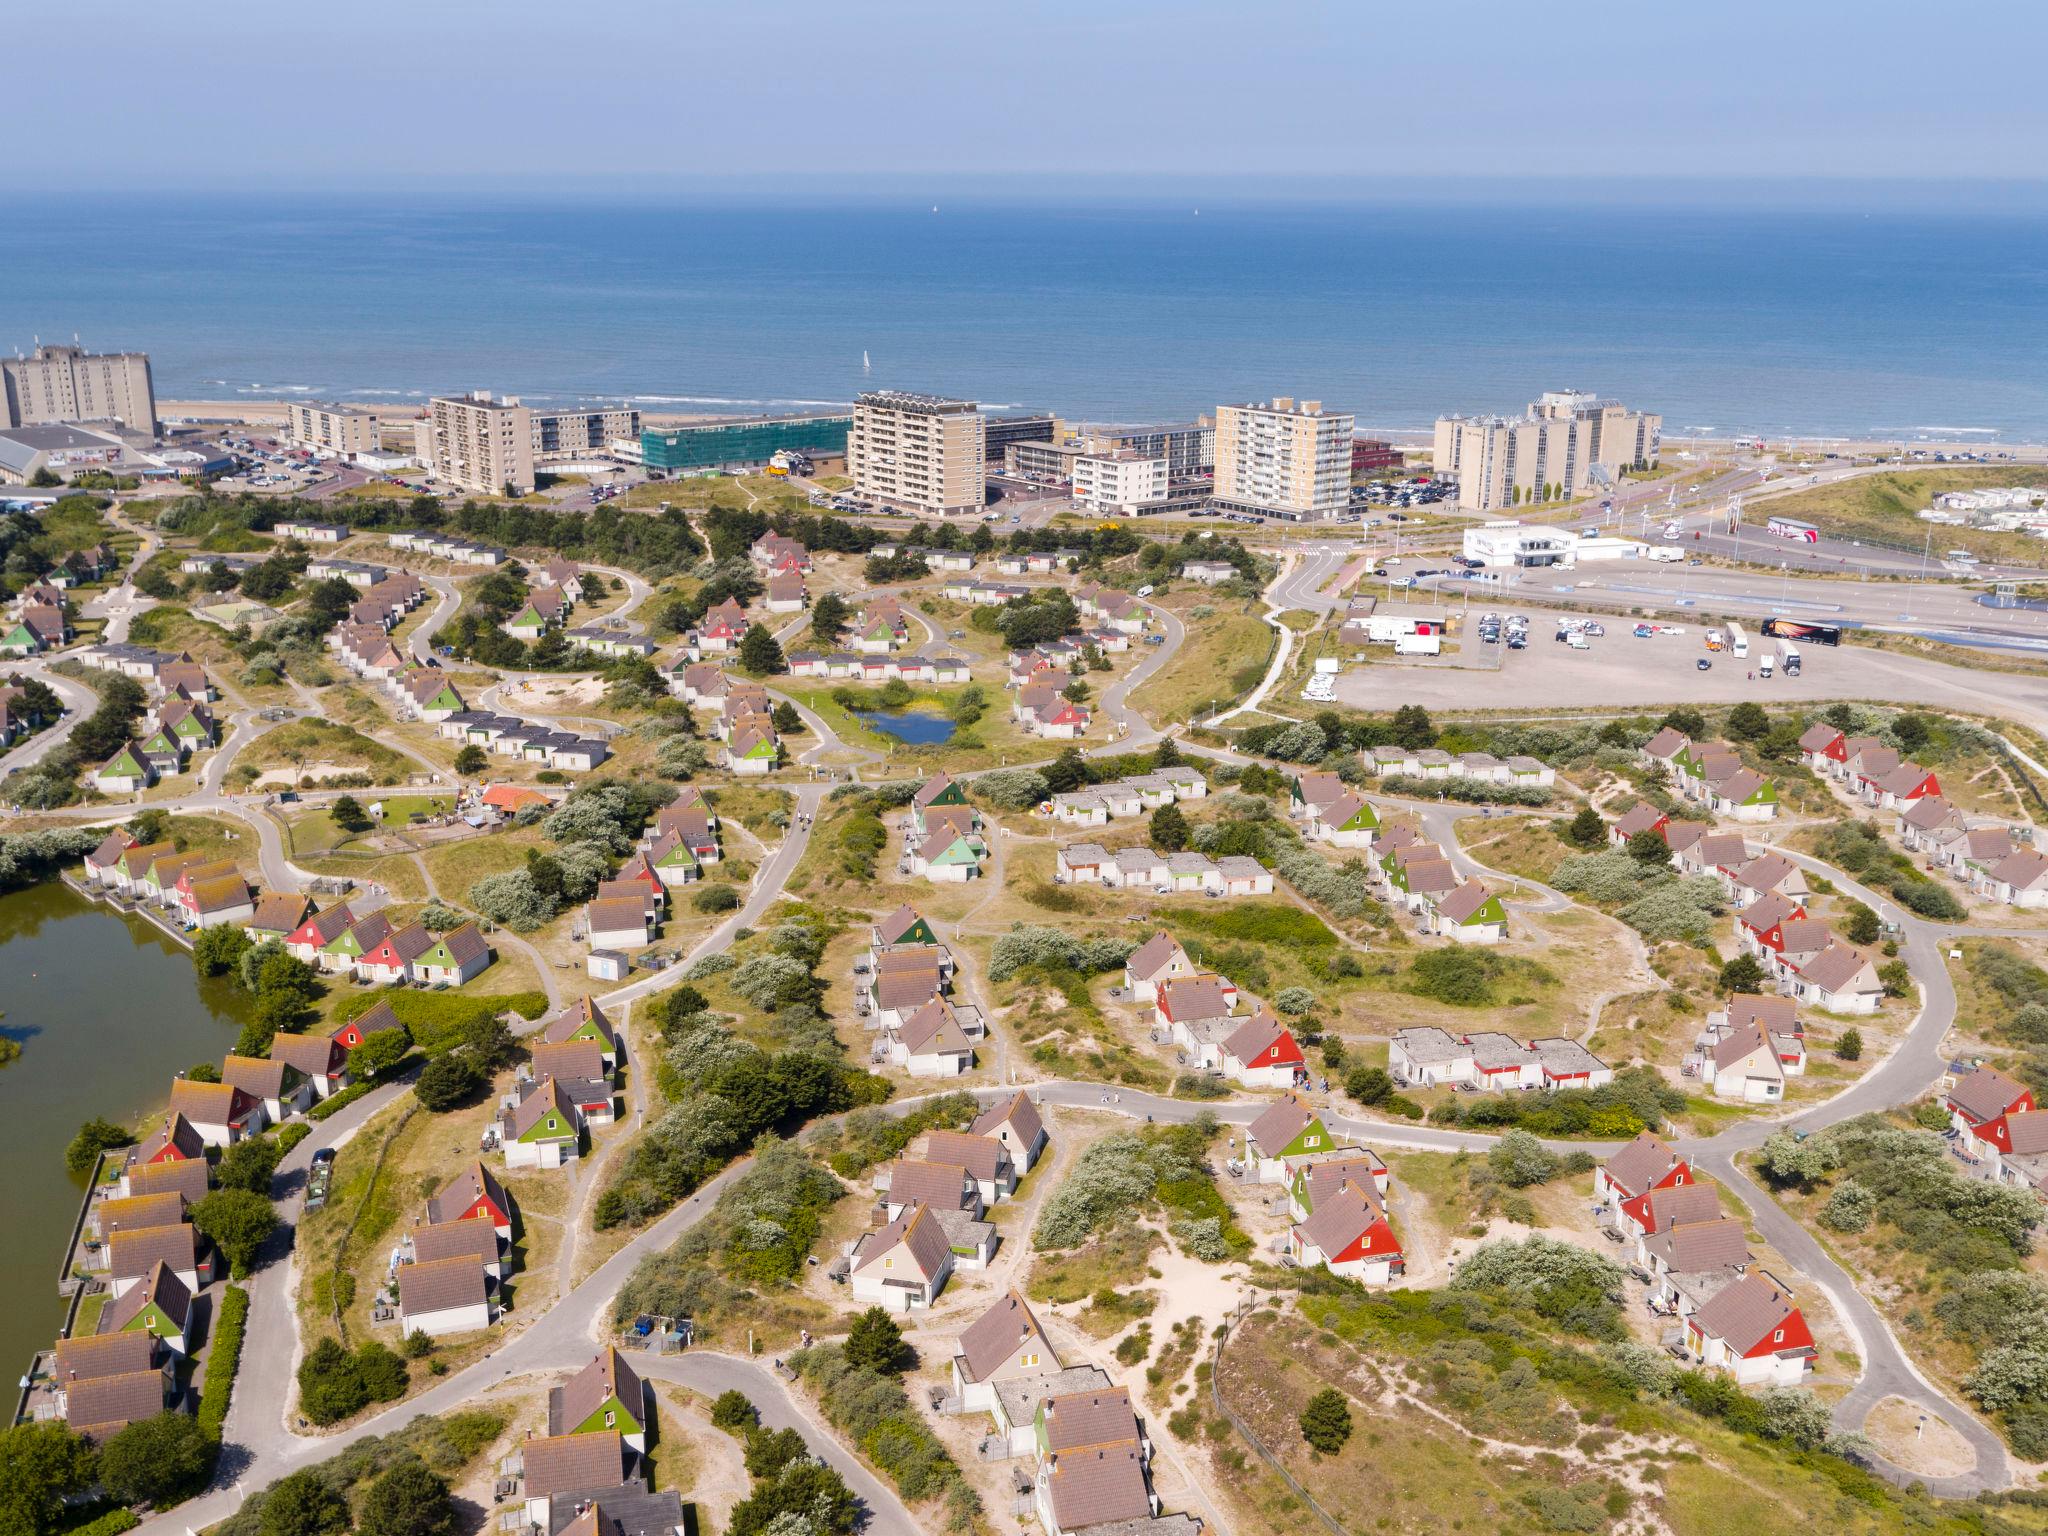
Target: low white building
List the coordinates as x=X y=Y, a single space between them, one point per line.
x=443 y=1296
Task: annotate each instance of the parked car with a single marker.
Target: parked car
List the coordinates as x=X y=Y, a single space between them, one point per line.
x=1703 y=665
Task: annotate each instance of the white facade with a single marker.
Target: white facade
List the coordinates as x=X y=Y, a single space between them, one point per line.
x=1126 y=481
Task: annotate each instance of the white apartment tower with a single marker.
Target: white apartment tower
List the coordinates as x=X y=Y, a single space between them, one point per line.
x=1288 y=458
x=59 y=384
x=479 y=443
x=922 y=453
x=1564 y=445
x=347 y=430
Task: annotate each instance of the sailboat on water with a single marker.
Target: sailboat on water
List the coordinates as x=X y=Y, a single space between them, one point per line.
x=865 y=365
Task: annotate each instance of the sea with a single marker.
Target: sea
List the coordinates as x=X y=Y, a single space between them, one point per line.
x=1832 y=322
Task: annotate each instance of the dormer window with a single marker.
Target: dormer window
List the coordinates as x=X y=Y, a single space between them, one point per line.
x=1778 y=1337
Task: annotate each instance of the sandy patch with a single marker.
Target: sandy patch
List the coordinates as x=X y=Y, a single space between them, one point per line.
x=1917 y=1440
x=317 y=772
x=557 y=693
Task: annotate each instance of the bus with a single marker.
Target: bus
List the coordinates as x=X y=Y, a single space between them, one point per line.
x=1795 y=629
x=1792 y=528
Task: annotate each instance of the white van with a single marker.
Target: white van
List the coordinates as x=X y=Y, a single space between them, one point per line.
x=1763 y=666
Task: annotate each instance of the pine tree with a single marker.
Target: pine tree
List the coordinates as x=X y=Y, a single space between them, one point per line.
x=760 y=655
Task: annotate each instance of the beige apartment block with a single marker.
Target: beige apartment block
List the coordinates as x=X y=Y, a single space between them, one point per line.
x=346 y=430
x=579 y=431
x=1565 y=445
x=1287 y=458
x=60 y=384
x=923 y=453
x=479 y=443
x=1128 y=481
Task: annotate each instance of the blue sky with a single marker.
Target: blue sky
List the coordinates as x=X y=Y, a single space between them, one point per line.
x=529 y=95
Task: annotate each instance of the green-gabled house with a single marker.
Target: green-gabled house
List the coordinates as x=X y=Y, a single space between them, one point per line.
x=605 y=1397
x=163 y=752
x=946 y=856
x=673 y=861
x=124 y=773
x=1288 y=1128
x=903 y=926
x=341 y=952
x=160 y=1305
x=940 y=789
x=543 y=1130
x=1471 y=914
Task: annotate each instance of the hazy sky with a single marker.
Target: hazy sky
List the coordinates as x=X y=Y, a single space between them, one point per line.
x=536 y=93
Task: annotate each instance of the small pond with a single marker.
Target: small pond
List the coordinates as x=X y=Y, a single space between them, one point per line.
x=919 y=730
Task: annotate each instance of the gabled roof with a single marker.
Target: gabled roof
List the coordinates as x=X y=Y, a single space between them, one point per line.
x=185 y=1176
x=177 y=1133
x=1341 y=1216
x=1280 y=1123
x=942 y=1186
x=210 y=1103
x=572 y=1018
x=1985 y=1094
x=314 y=1055
x=476 y=1241
x=916 y=1229
x=1743 y=1041
x=607 y=1376
x=999 y=1333
x=1835 y=967
x=1098 y=1484
x=541 y=1097
x=1019 y=1113
x=1663 y=1209
x=1465 y=902
x=1927 y=813
x=441 y=1284
x=105 y=1354
x=159 y=1286
x=473 y=1183
x=278 y=913
x=1087 y=1419
x=164 y=1208
x=1155 y=954
x=1187 y=999
x=98 y=1407
x=1767 y=911
x=1260 y=1035
x=571 y=1061
x=261 y=1077
x=573 y=1463
x=1818 y=737
x=133 y=1254
x=982 y=1156
x=1746 y=1313
x=1693 y=1246
x=1777 y=1015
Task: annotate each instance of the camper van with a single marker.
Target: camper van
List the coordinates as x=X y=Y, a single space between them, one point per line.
x=1716 y=641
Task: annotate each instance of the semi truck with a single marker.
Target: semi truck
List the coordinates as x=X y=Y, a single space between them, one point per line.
x=1796 y=629
x=1788 y=658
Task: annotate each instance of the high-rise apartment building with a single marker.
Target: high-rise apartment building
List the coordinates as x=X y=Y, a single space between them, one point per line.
x=1128 y=480
x=1288 y=458
x=59 y=384
x=347 y=430
x=1565 y=445
x=578 y=431
x=479 y=443
x=923 y=453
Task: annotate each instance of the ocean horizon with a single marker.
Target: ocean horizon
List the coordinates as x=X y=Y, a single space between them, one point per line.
x=1828 y=322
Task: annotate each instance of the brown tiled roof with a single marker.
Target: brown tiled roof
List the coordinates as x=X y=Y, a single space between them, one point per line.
x=573 y=1463
x=999 y=1333
x=1019 y=1112
x=330 y=924
x=159 y=1285
x=616 y=912
x=907 y=989
x=442 y=1284
x=931 y=789
x=182 y=1176
x=574 y=1017
x=915 y=1228
x=99 y=1407
x=104 y=1354
x=473 y=1183
x=541 y=1097
x=1089 y=1419
x=982 y=1156
x=2028 y=1129
x=1279 y=1123
x=258 y=1076
x=278 y=913
x=210 y=1103
x=1984 y=1094
x=1097 y=1485
x=576 y=1399
x=1818 y=738
x=573 y=1060
x=176 y=1131
x=1692 y=1246
x=1807 y=936
x=1464 y=901
x=139 y=1211
x=1745 y=1314
x=1739 y=1043
x=314 y=1055
x=378 y=1019
x=1341 y=1216
x=473 y=1240
x=1779 y=1015
x=942 y=1186
x=897 y=923
x=466 y=944
x=1184 y=998
x=133 y=1253
x=1835 y=967
x=1685 y=1202
x=1767 y=911
x=1254 y=1035
x=1152 y=956
x=220 y=894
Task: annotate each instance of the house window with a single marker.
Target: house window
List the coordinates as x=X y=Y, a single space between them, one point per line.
x=1032 y=1358
x=1778 y=1337
x=610 y=1418
x=1311 y=1141
x=888 y=1263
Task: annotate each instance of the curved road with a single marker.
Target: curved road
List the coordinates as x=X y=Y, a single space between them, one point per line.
x=563 y=1338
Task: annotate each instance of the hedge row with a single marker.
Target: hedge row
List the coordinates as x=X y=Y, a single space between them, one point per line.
x=223 y=1362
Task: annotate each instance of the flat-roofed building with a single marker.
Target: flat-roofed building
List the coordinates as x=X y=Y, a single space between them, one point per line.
x=59 y=384
x=478 y=442
x=923 y=453
x=346 y=430
x=1564 y=445
x=1042 y=461
x=1128 y=480
x=754 y=440
x=1188 y=447
x=1285 y=458
x=999 y=432
x=577 y=431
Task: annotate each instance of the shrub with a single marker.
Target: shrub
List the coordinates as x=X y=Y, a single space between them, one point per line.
x=1849 y=1208
x=1519 y=1160
x=1571 y=1286
x=225 y=1359
x=715 y=898
x=93 y=1138
x=1326 y=1421
x=1294 y=1000
x=1368 y=1085
x=159 y=1460
x=734 y=1412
